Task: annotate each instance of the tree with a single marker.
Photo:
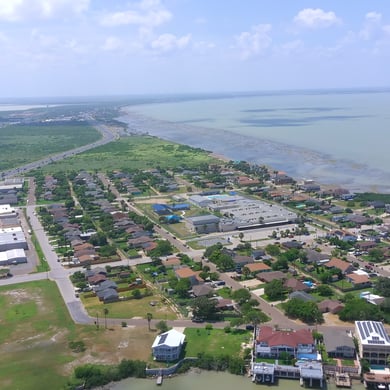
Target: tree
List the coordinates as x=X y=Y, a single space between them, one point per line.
x=275 y=290
x=241 y=295
x=241 y=236
x=382 y=286
x=149 y=317
x=105 y=311
x=203 y=307
x=182 y=287
x=324 y=290
x=162 y=326
x=272 y=250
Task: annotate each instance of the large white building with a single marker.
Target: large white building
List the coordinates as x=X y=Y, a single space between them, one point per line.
x=7 y=211
x=13 y=256
x=167 y=346
x=374 y=342
x=12 y=240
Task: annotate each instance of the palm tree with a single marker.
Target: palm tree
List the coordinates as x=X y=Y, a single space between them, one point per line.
x=105 y=311
x=149 y=317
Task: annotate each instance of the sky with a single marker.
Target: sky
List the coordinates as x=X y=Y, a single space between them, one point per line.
x=117 y=47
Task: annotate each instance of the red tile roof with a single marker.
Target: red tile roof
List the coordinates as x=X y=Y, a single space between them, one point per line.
x=338 y=263
x=292 y=339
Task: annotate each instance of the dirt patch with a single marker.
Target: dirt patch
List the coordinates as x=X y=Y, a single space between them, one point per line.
x=333 y=320
x=110 y=346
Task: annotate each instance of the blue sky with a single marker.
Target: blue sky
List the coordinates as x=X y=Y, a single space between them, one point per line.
x=116 y=47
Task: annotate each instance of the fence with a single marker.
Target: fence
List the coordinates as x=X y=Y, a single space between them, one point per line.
x=168 y=370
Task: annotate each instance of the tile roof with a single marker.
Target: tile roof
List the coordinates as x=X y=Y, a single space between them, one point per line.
x=277 y=337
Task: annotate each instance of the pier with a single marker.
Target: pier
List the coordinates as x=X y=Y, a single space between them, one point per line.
x=342 y=380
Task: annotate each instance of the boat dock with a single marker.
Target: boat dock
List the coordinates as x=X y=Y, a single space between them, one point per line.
x=342 y=380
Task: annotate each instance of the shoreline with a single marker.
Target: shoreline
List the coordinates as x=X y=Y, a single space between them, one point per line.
x=298 y=162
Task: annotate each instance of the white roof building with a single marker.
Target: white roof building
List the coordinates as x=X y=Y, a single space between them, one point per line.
x=6 y=210
x=13 y=240
x=13 y=256
x=374 y=342
x=167 y=346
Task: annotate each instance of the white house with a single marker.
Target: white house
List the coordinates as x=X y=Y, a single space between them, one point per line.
x=374 y=342
x=167 y=346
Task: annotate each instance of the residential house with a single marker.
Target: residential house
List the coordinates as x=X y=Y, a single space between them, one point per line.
x=171 y=262
x=374 y=342
x=241 y=261
x=167 y=346
x=339 y=345
x=292 y=244
x=271 y=343
x=330 y=306
x=269 y=276
x=304 y=296
x=342 y=265
x=358 y=280
x=365 y=245
x=293 y=284
x=256 y=268
x=202 y=290
x=224 y=304
x=187 y=273
x=312 y=256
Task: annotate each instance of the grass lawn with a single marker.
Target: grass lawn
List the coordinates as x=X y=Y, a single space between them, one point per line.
x=35 y=333
x=131 y=308
x=214 y=342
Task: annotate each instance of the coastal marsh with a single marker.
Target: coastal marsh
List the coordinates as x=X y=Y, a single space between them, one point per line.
x=133 y=153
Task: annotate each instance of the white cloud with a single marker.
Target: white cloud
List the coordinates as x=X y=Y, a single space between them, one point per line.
x=112 y=43
x=372 y=26
x=254 y=42
x=316 y=18
x=149 y=13
x=19 y=10
x=291 y=47
x=169 y=42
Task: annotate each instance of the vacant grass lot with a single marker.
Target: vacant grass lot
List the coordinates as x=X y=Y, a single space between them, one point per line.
x=22 y=144
x=131 y=308
x=136 y=152
x=35 y=331
x=215 y=341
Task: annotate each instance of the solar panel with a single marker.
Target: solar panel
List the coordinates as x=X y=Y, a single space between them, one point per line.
x=163 y=337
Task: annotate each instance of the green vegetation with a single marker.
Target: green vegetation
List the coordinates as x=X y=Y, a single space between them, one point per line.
x=43 y=343
x=130 y=308
x=133 y=153
x=91 y=375
x=22 y=144
x=214 y=341
x=32 y=316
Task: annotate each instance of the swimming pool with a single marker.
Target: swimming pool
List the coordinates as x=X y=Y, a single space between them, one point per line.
x=307 y=356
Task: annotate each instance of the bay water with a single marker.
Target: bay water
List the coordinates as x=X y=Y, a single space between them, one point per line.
x=333 y=137
x=195 y=380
